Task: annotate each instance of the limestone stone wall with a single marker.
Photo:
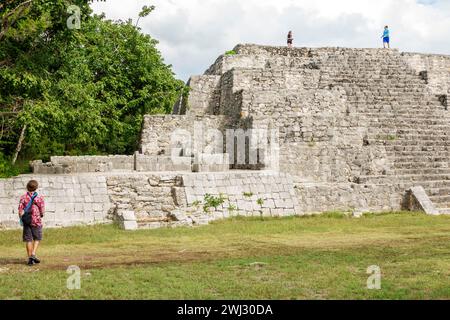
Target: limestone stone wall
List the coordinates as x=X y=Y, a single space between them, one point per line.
x=158 y=131
x=205 y=97
x=70 y=200
x=242 y=190
x=168 y=200
x=327 y=197
x=149 y=196
x=156 y=199
x=162 y=163
x=260 y=57
x=320 y=139
x=84 y=164
x=434 y=68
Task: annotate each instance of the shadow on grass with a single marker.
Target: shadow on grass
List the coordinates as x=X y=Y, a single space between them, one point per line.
x=12 y=261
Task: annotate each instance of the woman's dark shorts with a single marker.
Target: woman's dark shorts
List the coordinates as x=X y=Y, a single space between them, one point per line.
x=31 y=234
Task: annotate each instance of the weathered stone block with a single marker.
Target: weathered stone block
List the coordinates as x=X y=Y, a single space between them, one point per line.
x=129 y=225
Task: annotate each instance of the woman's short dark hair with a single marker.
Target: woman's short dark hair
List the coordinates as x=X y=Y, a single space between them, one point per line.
x=32 y=186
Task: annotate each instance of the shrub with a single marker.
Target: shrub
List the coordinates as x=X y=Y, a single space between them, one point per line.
x=6 y=168
x=213 y=202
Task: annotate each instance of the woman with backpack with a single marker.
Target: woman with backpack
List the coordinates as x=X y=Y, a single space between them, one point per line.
x=31 y=212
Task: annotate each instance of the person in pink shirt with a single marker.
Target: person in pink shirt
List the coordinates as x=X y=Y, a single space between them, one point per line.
x=33 y=204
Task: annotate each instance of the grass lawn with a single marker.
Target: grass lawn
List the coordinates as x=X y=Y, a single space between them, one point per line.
x=324 y=257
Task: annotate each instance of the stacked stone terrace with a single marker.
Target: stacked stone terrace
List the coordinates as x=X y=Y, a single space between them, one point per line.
x=350 y=120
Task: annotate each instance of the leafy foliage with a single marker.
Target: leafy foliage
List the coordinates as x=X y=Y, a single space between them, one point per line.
x=81 y=91
x=6 y=169
x=213 y=202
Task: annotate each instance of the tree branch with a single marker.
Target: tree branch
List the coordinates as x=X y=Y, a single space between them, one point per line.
x=19 y=144
x=5 y=3
x=5 y=62
x=17 y=10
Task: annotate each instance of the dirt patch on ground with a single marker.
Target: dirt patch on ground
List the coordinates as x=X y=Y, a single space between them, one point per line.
x=116 y=260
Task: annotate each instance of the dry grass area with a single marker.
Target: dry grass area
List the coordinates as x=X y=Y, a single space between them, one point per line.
x=324 y=257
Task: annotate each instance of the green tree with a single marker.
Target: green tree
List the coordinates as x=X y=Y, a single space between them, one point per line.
x=76 y=91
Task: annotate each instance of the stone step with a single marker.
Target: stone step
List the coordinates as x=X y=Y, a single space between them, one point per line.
x=430 y=185
x=421 y=164
x=409 y=126
x=424 y=131
x=402 y=100
x=434 y=184
x=441 y=191
x=445 y=199
x=398 y=139
x=155 y=224
x=363 y=72
x=393 y=137
x=419 y=155
x=400 y=110
x=443 y=207
x=408 y=148
x=416 y=179
x=399 y=114
x=408 y=121
x=398 y=102
x=393 y=103
x=422 y=137
x=378 y=95
x=445 y=211
x=412 y=162
x=421 y=171
x=429 y=131
x=400 y=142
x=393 y=112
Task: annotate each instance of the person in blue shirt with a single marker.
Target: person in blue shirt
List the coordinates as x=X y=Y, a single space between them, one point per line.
x=386 y=37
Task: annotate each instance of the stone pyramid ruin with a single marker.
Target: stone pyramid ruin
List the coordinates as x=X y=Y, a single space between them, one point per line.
x=322 y=129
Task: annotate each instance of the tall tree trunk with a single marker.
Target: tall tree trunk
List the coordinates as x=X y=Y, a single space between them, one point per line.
x=19 y=144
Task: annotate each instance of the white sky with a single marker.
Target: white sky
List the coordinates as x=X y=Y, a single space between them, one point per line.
x=193 y=33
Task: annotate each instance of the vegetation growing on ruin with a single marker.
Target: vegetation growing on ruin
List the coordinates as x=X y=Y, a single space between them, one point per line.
x=320 y=257
x=230 y=53
x=211 y=201
x=75 y=91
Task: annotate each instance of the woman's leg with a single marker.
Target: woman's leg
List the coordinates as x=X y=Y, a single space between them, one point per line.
x=35 y=247
x=29 y=246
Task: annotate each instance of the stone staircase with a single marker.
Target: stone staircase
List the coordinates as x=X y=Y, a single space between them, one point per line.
x=400 y=113
x=371 y=116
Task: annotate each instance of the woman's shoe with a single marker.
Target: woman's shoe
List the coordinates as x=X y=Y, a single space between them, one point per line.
x=30 y=262
x=35 y=260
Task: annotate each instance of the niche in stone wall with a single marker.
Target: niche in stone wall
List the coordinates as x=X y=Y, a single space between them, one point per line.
x=443 y=99
x=424 y=76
